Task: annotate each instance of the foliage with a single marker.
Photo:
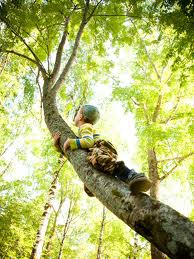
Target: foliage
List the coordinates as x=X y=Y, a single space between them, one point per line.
x=159 y=43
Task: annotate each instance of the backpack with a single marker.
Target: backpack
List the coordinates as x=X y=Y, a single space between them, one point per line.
x=103 y=156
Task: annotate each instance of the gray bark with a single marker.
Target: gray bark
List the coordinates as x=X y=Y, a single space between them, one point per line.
x=99 y=251
x=66 y=227
x=167 y=229
x=38 y=244
x=51 y=236
x=154 y=193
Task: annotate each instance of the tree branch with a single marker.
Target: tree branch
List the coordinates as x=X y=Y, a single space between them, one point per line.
x=134 y=101
x=21 y=55
x=38 y=62
x=145 y=113
x=173 y=110
x=74 y=51
x=180 y=160
x=3 y=64
x=146 y=52
x=60 y=51
x=119 y=15
x=6 y=168
x=94 y=9
x=8 y=146
x=175 y=158
x=157 y=109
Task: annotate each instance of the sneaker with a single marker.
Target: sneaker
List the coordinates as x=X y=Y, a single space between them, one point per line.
x=138 y=182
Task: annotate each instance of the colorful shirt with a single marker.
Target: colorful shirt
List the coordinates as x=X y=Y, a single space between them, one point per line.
x=87 y=136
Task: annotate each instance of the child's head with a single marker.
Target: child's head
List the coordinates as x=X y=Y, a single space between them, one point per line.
x=87 y=114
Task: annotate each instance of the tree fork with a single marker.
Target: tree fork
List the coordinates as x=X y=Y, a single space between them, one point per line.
x=171 y=232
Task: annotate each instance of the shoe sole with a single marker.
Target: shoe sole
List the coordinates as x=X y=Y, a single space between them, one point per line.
x=140 y=185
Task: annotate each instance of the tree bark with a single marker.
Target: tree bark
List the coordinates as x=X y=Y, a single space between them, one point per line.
x=153 y=173
x=154 y=193
x=38 y=245
x=167 y=229
x=52 y=234
x=65 y=230
x=99 y=251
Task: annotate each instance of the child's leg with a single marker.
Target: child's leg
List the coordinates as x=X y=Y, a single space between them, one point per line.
x=137 y=182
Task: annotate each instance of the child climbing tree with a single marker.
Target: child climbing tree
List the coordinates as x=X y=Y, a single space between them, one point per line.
x=34 y=39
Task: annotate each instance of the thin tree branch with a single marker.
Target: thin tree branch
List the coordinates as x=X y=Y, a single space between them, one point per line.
x=157 y=108
x=74 y=51
x=168 y=173
x=173 y=110
x=60 y=51
x=162 y=70
x=94 y=9
x=169 y=77
x=134 y=101
x=38 y=62
x=99 y=251
x=145 y=113
x=6 y=168
x=20 y=55
x=175 y=158
x=41 y=46
x=119 y=15
x=3 y=64
x=174 y=167
x=146 y=52
x=9 y=145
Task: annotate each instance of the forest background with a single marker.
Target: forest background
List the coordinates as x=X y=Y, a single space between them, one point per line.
x=134 y=61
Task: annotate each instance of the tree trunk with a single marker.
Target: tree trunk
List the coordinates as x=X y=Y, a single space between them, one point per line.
x=99 y=251
x=38 y=245
x=51 y=236
x=153 y=173
x=65 y=231
x=154 y=193
x=168 y=230
x=156 y=254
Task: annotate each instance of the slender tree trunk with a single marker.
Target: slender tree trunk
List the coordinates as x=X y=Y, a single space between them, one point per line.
x=66 y=227
x=153 y=173
x=99 y=251
x=167 y=229
x=154 y=193
x=52 y=234
x=38 y=245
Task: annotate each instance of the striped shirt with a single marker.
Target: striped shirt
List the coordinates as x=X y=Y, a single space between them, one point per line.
x=86 y=137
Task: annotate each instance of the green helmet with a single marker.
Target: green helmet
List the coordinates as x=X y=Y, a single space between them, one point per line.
x=90 y=113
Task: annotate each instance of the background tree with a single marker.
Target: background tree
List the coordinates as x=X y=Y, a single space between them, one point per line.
x=160 y=96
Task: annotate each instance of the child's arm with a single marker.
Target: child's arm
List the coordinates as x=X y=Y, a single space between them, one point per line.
x=85 y=141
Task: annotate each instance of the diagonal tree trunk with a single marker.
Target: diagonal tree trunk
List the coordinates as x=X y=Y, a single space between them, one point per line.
x=99 y=251
x=168 y=230
x=164 y=227
x=38 y=244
